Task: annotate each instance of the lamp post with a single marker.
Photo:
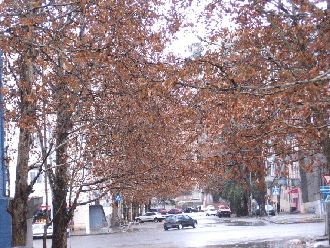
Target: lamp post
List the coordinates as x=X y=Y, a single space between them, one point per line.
x=3 y=171
x=5 y=223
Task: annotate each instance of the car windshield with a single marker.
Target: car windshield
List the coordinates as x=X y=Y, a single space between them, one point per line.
x=39 y=226
x=171 y=217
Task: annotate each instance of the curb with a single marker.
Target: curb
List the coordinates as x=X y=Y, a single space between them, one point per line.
x=296 y=221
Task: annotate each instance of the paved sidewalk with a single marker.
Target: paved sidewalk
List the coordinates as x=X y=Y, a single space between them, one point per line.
x=294 y=218
x=291 y=218
x=129 y=227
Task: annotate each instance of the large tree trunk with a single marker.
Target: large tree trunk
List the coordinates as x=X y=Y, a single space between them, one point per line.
x=17 y=207
x=60 y=181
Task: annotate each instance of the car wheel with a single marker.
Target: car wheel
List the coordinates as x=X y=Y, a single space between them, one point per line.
x=165 y=228
x=194 y=225
x=180 y=226
x=155 y=220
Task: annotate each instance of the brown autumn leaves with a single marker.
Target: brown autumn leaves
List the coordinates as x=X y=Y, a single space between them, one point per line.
x=125 y=117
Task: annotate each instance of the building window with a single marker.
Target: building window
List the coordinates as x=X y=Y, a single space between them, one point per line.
x=33 y=175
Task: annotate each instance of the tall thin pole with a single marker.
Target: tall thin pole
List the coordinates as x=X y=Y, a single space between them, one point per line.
x=5 y=220
x=3 y=169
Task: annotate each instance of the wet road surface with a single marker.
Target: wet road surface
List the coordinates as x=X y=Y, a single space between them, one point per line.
x=211 y=232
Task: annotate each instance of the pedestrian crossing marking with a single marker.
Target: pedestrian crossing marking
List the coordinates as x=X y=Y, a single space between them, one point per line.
x=327 y=199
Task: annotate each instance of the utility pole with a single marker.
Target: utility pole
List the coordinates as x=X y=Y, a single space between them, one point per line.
x=5 y=223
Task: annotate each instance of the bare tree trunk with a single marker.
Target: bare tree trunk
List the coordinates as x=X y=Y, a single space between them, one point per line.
x=17 y=207
x=60 y=179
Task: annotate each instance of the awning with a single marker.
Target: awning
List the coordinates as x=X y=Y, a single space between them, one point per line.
x=43 y=208
x=292 y=191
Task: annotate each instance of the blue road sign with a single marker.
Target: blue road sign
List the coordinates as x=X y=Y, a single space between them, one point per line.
x=325 y=189
x=276 y=191
x=326 y=197
x=117 y=198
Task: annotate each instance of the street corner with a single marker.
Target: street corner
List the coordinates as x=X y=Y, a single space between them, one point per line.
x=320 y=242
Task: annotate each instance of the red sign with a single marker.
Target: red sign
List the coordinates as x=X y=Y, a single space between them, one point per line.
x=327 y=179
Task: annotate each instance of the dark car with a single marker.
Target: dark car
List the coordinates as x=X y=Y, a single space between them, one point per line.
x=190 y=210
x=175 y=211
x=179 y=221
x=270 y=210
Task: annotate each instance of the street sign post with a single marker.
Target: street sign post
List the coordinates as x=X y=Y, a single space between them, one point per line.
x=326 y=179
x=327 y=199
x=276 y=191
x=325 y=189
x=117 y=198
x=5 y=219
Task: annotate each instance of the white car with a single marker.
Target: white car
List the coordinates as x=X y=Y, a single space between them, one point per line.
x=224 y=211
x=150 y=216
x=38 y=230
x=211 y=211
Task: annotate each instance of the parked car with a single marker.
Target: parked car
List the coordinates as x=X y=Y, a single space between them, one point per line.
x=179 y=221
x=270 y=210
x=153 y=210
x=150 y=216
x=211 y=210
x=175 y=211
x=201 y=208
x=224 y=211
x=190 y=210
x=162 y=211
x=38 y=230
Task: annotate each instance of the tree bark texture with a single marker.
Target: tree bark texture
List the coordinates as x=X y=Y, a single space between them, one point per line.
x=60 y=181
x=17 y=207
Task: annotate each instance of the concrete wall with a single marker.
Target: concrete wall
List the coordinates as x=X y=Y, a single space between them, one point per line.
x=79 y=218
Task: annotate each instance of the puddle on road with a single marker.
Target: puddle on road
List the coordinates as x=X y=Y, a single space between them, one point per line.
x=245 y=223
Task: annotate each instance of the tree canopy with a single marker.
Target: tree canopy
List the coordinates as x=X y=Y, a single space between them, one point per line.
x=263 y=83
x=122 y=114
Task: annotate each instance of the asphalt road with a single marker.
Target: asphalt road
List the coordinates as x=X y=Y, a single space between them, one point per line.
x=210 y=232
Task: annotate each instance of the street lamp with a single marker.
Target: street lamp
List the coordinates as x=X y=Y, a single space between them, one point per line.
x=5 y=223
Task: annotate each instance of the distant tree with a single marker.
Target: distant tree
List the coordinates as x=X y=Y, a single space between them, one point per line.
x=237 y=196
